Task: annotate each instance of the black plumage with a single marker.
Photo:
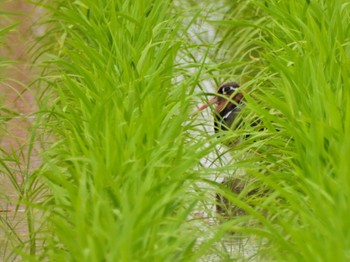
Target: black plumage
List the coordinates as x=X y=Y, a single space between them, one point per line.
x=229 y=104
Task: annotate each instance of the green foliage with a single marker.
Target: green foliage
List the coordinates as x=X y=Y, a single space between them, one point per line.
x=302 y=97
x=127 y=167
x=311 y=57
x=121 y=157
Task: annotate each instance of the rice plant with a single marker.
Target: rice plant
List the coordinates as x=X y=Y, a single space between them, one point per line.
x=121 y=158
x=129 y=174
x=301 y=96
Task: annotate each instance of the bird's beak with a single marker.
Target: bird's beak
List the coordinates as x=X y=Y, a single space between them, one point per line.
x=212 y=101
x=220 y=102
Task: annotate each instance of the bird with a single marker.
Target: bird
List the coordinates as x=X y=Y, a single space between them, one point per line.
x=228 y=100
x=228 y=103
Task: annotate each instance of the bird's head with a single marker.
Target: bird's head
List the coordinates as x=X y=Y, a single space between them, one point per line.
x=226 y=105
x=227 y=97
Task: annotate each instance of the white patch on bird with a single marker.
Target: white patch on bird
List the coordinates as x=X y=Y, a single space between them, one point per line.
x=227 y=89
x=227 y=115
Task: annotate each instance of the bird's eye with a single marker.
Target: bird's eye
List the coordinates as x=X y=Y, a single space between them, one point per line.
x=227 y=90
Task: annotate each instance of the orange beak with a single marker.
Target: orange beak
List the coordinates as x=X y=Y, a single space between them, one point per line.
x=212 y=101
x=220 y=102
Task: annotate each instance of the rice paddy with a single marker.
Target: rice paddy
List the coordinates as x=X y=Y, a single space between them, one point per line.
x=102 y=158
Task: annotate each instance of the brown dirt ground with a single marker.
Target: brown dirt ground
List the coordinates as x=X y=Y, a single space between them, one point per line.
x=15 y=95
